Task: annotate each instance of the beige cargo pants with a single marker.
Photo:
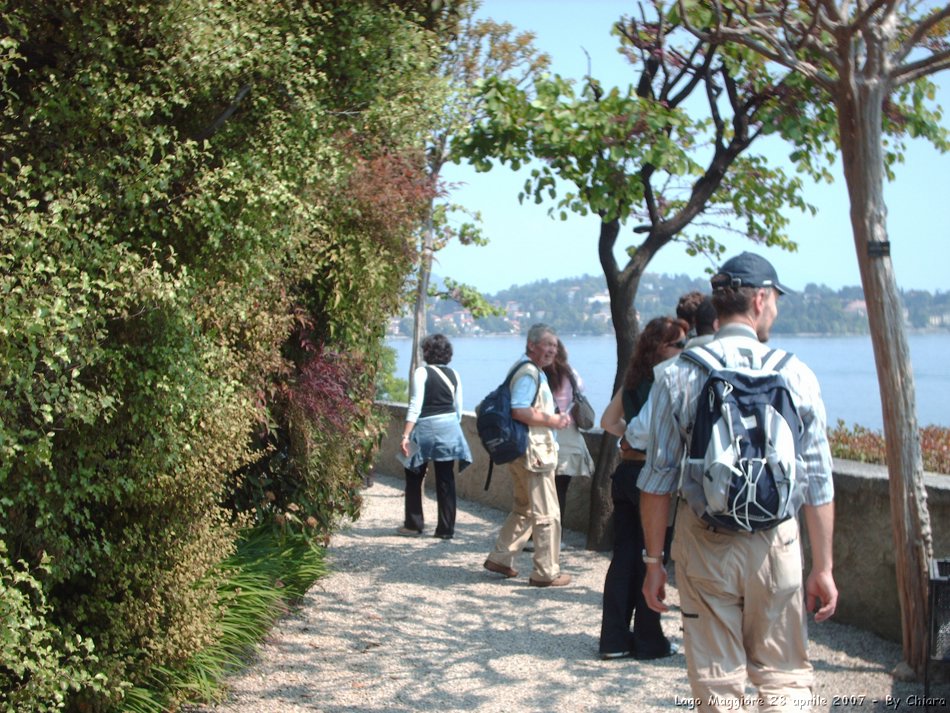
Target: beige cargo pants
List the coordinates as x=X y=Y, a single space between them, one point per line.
x=743 y=616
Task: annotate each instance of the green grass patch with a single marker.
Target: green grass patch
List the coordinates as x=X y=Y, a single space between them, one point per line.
x=269 y=571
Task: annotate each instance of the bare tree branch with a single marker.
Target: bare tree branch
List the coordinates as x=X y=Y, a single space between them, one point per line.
x=714 y=106
x=688 y=67
x=861 y=21
x=649 y=195
x=771 y=49
x=828 y=7
x=915 y=70
x=697 y=74
x=922 y=29
x=660 y=43
x=224 y=115
x=813 y=43
x=807 y=32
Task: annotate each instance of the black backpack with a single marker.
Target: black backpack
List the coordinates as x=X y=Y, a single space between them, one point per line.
x=504 y=438
x=745 y=443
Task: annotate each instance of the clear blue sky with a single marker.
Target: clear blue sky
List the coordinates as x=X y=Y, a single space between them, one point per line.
x=527 y=245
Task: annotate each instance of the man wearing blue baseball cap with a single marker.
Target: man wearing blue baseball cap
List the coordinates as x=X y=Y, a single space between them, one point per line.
x=740 y=587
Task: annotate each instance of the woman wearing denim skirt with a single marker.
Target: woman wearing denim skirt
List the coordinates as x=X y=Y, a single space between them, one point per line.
x=433 y=432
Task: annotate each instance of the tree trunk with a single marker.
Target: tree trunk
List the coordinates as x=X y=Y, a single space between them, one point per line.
x=860 y=123
x=600 y=531
x=622 y=287
x=422 y=293
x=599 y=535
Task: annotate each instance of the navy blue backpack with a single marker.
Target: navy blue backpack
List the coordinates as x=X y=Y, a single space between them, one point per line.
x=504 y=438
x=745 y=443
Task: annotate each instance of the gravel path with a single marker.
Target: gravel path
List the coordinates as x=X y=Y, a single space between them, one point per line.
x=413 y=624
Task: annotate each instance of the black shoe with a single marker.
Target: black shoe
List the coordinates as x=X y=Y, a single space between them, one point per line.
x=442 y=536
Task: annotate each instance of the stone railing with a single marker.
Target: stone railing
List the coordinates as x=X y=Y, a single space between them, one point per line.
x=863 y=546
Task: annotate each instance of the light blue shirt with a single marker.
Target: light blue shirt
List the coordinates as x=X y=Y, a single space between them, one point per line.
x=525 y=388
x=526 y=391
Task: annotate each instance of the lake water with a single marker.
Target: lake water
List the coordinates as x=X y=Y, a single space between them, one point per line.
x=844 y=366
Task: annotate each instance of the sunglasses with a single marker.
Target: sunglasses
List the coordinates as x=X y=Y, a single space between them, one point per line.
x=681 y=344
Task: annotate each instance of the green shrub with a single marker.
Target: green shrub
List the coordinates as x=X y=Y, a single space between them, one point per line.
x=39 y=665
x=186 y=218
x=271 y=569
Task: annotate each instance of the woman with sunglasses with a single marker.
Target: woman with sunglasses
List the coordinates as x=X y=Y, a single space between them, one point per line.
x=661 y=339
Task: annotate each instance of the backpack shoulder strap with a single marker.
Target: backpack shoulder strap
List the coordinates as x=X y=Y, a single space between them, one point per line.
x=776 y=360
x=710 y=361
x=535 y=373
x=491 y=467
x=704 y=356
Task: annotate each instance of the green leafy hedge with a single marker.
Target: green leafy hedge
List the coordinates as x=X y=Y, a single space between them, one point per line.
x=201 y=204
x=41 y=667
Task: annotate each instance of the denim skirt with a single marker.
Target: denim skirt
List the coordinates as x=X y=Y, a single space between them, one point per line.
x=437 y=438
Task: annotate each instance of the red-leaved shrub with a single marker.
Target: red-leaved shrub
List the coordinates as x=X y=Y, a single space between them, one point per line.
x=867 y=445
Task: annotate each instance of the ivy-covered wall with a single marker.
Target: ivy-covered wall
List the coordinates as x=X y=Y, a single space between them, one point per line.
x=205 y=218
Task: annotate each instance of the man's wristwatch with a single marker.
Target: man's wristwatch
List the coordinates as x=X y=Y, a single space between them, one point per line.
x=653 y=560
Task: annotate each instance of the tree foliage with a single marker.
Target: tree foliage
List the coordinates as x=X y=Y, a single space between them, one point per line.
x=473 y=49
x=666 y=156
x=668 y=153
x=205 y=217
x=674 y=152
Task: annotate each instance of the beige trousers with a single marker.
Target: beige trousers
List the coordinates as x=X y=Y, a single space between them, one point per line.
x=743 y=616
x=535 y=511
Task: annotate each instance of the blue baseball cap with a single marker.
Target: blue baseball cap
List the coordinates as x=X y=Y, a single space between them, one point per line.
x=747 y=270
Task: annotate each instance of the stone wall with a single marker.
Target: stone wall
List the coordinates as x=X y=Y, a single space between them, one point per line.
x=863 y=547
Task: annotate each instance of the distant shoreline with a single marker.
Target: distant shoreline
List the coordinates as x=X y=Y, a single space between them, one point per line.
x=802 y=335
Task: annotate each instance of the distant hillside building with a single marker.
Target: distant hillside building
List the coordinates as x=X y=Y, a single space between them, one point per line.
x=857 y=307
x=939 y=320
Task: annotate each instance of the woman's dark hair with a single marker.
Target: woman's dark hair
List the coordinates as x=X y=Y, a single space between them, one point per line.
x=688 y=306
x=436 y=349
x=559 y=368
x=659 y=332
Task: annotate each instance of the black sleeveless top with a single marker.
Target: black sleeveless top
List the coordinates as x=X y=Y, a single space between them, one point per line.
x=633 y=401
x=438 y=398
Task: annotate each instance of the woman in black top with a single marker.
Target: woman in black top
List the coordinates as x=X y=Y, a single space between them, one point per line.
x=661 y=339
x=433 y=432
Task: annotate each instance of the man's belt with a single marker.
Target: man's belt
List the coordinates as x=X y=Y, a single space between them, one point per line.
x=628 y=453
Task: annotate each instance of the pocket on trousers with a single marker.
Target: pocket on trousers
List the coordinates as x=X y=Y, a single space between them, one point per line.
x=542 y=453
x=707 y=559
x=785 y=559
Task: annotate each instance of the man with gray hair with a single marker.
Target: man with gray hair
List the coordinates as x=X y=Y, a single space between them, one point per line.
x=532 y=476
x=743 y=609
